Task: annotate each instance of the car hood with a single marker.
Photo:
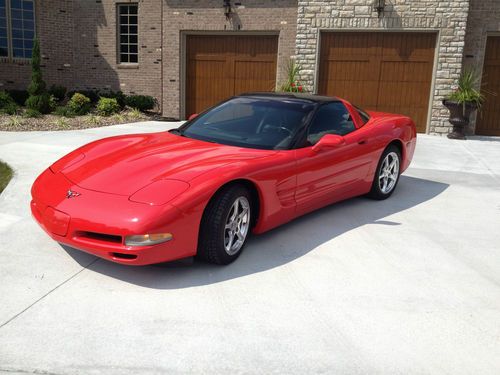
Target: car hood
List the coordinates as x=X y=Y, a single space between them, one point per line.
x=124 y=164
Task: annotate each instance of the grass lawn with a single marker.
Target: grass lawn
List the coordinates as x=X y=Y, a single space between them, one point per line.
x=5 y=175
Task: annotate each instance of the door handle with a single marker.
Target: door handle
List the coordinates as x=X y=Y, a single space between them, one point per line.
x=362 y=142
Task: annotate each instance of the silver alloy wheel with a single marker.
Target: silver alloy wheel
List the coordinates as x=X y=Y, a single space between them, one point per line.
x=237 y=225
x=389 y=172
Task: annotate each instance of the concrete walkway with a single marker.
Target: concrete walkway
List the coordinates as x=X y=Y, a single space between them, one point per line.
x=410 y=285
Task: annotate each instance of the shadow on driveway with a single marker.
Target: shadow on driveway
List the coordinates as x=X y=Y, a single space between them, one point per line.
x=277 y=247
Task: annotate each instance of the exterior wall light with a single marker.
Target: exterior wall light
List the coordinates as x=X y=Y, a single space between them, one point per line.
x=379 y=6
x=227 y=8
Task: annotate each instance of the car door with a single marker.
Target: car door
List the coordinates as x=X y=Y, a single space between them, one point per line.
x=331 y=174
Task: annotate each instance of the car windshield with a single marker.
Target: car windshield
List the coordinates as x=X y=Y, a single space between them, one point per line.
x=263 y=123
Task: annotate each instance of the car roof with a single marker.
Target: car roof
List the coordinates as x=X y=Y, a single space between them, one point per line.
x=291 y=95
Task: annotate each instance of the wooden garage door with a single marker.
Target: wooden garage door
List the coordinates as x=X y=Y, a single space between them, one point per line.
x=389 y=72
x=488 y=121
x=219 y=66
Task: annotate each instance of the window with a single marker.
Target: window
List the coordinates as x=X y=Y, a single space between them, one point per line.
x=17 y=28
x=332 y=118
x=364 y=116
x=128 y=34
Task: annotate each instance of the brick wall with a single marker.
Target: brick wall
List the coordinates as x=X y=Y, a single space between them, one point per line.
x=447 y=17
x=208 y=16
x=54 y=25
x=95 y=47
x=483 y=20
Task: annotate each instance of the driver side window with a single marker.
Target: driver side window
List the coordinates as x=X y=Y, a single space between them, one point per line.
x=332 y=118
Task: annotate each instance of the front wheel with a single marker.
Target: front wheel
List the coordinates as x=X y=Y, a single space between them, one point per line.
x=387 y=174
x=225 y=225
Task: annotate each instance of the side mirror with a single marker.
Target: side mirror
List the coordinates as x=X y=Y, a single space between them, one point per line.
x=192 y=116
x=328 y=141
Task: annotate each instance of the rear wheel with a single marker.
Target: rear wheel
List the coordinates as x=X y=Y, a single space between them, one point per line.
x=387 y=174
x=225 y=225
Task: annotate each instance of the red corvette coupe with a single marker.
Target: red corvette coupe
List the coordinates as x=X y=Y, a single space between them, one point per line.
x=250 y=163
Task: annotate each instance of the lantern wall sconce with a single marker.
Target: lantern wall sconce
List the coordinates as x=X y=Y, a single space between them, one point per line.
x=379 y=6
x=227 y=8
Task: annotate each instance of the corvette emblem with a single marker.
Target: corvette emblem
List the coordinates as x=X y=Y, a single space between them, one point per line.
x=72 y=194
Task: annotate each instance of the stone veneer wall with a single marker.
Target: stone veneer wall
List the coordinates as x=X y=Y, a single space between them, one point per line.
x=484 y=20
x=448 y=17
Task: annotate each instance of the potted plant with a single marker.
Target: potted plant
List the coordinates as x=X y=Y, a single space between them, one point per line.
x=463 y=102
x=292 y=83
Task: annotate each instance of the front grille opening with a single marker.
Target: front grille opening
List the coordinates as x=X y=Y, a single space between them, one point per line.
x=123 y=256
x=101 y=237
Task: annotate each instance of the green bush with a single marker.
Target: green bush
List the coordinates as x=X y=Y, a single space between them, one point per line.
x=141 y=102
x=37 y=85
x=5 y=99
x=32 y=113
x=58 y=92
x=19 y=96
x=39 y=99
x=10 y=109
x=107 y=106
x=41 y=103
x=93 y=95
x=64 y=111
x=79 y=104
x=118 y=95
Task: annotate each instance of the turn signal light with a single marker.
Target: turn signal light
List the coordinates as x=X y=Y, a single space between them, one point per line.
x=147 y=239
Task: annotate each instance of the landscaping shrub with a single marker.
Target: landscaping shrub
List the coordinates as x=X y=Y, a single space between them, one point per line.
x=64 y=111
x=39 y=98
x=5 y=99
x=58 y=92
x=79 y=104
x=93 y=95
x=118 y=95
x=41 y=103
x=141 y=102
x=32 y=113
x=107 y=106
x=19 y=96
x=9 y=108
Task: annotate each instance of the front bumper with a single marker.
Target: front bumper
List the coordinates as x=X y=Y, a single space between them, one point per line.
x=97 y=222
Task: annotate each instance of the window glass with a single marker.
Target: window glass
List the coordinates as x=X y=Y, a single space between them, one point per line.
x=332 y=118
x=128 y=28
x=364 y=116
x=251 y=122
x=4 y=47
x=22 y=22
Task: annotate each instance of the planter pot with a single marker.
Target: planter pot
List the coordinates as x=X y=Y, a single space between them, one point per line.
x=459 y=117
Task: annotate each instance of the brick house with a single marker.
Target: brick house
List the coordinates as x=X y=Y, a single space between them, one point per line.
x=189 y=54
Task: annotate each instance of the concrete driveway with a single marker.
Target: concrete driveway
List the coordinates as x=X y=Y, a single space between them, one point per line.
x=406 y=285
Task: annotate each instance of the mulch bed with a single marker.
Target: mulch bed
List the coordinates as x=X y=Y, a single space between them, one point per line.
x=18 y=123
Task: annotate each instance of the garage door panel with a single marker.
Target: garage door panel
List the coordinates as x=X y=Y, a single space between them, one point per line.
x=254 y=76
x=382 y=71
x=488 y=120
x=220 y=66
x=208 y=80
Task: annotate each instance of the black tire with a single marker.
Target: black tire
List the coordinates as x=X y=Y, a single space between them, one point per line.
x=377 y=192
x=212 y=238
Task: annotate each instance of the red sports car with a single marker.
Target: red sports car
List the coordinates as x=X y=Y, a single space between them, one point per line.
x=251 y=163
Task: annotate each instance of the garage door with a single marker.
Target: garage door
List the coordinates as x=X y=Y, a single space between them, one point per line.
x=488 y=121
x=220 y=66
x=389 y=72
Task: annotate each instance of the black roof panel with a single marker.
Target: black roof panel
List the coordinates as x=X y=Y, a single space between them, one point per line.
x=294 y=95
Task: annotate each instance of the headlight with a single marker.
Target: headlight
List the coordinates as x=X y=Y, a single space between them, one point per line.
x=147 y=239
x=159 y=192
